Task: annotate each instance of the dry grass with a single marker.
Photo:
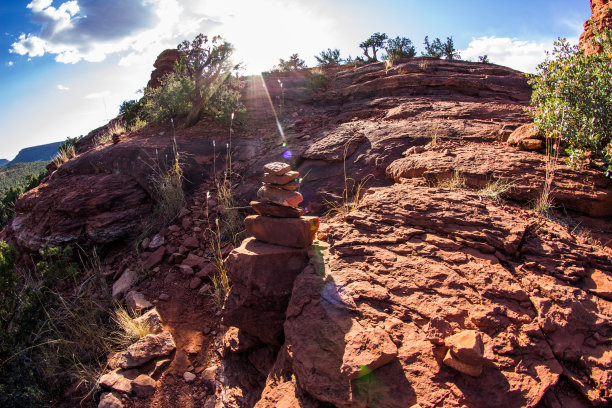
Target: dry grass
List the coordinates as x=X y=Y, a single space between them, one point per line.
x=351 y=196
x=495 y=190
x=457 y=180
x=129 y=328
x=167 y=184
x=64 y=154
x=544 y=203
x=220 y=281
x=114 y=128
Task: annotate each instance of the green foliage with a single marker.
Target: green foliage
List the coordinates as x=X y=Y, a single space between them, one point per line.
x=572 y=97
x=484 y=59
x=208 y=64
x=314 y=82
x=292 y=64
x=131 y=111
x=400 y=47
x=171 y=98
x=53 y=325
x=13 y=183
x=375 y=42
x=438 y=49
x=329 y=57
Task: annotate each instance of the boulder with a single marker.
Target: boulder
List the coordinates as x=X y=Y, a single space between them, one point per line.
x=291 y=232
x=521 y=133
x=118 y=380
x=237 y=341
x=453 y=361
x=366 y=350
x=152 y=320
x=155 y=258
x=466 y=346
x=262 y=278
x=136 y=303
x=147 y=348
x=143 y=386
x=110 y=400
x=531 y=144
x=124 y=283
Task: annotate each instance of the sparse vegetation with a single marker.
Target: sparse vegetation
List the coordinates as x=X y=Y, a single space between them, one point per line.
x=132 y=114
x=220 y=281
x=115 y=128
x=457 y=180
x=66 y=151
x=54 y=327
x=129 y=329
x=544 y=203
x=13 y=184
x=438 y=49
x=329 y=57
x=399 y=47
x=495 y=190
x=572 y=100
x=375 y=43
x=292 y=64
x=167 y=184
x=315 y=81
x=484 y=59
x=351 y=196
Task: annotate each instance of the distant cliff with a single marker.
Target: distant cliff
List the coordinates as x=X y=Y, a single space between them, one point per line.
x=3 y=162
x=37 y=153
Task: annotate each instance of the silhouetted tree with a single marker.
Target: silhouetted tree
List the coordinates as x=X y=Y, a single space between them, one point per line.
x=375 y=42
x=400 y=47
x=329 y=57
x=208 y=63
x=293 y=63
x=438 y=49
x=484 y=59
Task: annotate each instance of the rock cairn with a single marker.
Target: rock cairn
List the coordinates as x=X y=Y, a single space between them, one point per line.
x=280 y=221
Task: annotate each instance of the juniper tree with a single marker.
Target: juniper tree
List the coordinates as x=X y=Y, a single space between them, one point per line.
x=375 y=42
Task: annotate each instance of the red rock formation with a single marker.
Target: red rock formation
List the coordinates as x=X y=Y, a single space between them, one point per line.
x=164 y=64
x=601 y=19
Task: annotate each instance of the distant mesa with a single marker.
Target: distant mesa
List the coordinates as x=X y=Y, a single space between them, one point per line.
x=36 y=153
x=4 y=162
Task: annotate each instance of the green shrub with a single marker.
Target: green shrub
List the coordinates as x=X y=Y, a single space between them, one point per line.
x=292 y=64
x=131 y=111
x=438 y=49
x=572 y=100
x=170 y=99
x=399 y=47
x=314 y=82
x=329 y=57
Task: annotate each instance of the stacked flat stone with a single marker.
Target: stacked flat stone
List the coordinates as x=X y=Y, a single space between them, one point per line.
x=280 y=220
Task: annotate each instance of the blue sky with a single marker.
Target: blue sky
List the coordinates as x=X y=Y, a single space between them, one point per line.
x=66 y=65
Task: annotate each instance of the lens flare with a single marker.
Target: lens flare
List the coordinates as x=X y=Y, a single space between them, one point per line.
x=287 y=154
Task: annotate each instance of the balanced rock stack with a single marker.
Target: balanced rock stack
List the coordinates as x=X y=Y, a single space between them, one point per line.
x=280 y=220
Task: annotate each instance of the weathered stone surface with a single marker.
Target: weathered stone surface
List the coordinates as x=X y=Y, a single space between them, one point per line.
x=366 y=350
x=143 y=386
x=193 y=261
x=189 y=377
x=237 y=341
x=526 y=131
x=124 y=283
x=410 y=254
x=335 y=146
x=147 y=348
x=601 y=19
x=155 y=258
x=451 y=360
x=292 y=186
x=136 y=302
x=85 y=208
x=118 y=380
x=262 y=278
x=282 y=179
x=110 y=400
x=156 y=241
x=275 y=210
x=583 y=190
x=277 y=168
x=164 y=64
x=466 y=346
x=152 y=320
x=291 y=232
x=531 y=144
x=280 y=196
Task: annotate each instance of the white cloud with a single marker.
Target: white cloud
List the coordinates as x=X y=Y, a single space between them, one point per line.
x=9 y=64
x=98 y=95
x=511 y=52
x=62 y=87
